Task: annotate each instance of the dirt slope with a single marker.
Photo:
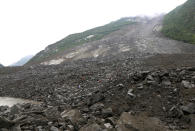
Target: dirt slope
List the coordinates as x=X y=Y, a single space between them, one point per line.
x=143 y=37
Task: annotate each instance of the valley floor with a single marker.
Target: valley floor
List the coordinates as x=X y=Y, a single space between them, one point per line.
x=126 y=92
x=133 y=79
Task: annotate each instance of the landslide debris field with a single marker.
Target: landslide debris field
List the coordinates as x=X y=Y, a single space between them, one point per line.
x=124 y=92
x=141 y=81
x=142 y=36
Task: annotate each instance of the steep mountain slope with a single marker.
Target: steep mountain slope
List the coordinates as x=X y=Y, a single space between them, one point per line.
x=22 y=61
x=179 y=24
x=73 y=40
x=141 y=37
x=1 y=65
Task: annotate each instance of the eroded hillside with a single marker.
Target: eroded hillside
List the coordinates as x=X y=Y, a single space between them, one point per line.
x=143 y=36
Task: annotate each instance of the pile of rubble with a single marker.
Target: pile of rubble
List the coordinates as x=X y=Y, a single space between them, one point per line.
x=144 y=100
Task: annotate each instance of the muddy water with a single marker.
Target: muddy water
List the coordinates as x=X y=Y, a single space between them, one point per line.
x=9 y=101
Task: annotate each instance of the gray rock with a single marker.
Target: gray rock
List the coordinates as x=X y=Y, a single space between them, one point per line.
x=3 y=108
x=130 y=93
x=53 y=128
x=107 y=112
x=187 y=84
x=16 y=128
x=125 y=118
x=95 y=98
x=110 y=120
x=4 y=129
x=192 y=123
x=120 y=86
x=52 y=113
x=108 y=125
x=140 y=86
x=97 y=106
x=92 y=127
x=149 y=78
x=4 y=123
x=124 y=127
x=15 y=109
x=191 y=68
x=190 y=108
x=71 y=115
x=70 y=127
x=166 y=83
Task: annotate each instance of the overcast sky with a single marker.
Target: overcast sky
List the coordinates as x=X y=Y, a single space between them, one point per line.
x=28 y=26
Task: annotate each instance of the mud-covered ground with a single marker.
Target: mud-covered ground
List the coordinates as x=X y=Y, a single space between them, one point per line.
x=126 y=92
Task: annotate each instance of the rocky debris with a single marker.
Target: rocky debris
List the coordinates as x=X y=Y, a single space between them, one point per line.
x=192 y=122
x=97 y=97
x=189 y=108
x=107 y=112
x=72 y=115
x=52 y=113
x=187 y=84
x=4 y=123
x=130 y=93
x=92 y=127
x=96 y=107
x=139 y=122
x=108 y=125
x=53 y=128
x=95 y=94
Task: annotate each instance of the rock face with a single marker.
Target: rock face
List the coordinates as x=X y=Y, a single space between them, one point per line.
x=1 y=65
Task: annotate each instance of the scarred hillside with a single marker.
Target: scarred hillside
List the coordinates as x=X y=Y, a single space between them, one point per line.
x=138 y=35
x=57 y=49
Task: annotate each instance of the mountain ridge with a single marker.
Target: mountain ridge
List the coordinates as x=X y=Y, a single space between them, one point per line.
x=77 y=39
x=22 y=61
x=141 y=36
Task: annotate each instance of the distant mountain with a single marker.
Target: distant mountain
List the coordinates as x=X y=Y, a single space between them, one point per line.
x=1 y=65
x=179 y=24
x=22 y=61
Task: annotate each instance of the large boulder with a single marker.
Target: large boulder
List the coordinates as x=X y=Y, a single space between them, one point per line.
x=4 y=123
x=189 y=108
x=140 y=122
x=72 y=115
x=187 y=84
x=92 y=127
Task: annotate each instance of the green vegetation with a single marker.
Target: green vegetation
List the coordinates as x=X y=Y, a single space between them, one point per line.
x=79 y=39
x=179 y=24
